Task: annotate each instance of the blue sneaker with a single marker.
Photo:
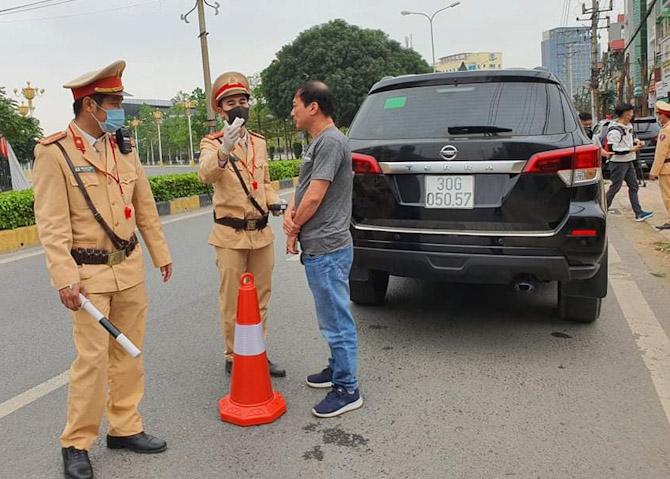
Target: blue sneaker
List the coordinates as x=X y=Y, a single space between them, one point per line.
x=324 y=379
x=644 y=216
x=338 y=401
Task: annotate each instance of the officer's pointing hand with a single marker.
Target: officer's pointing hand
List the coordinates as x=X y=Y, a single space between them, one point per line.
x=69 y=296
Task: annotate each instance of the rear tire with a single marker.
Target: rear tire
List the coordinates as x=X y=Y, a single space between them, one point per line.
x=372 y=291
x=578 y=309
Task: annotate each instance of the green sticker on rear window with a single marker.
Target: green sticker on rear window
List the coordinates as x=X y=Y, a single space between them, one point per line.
x=393 y=103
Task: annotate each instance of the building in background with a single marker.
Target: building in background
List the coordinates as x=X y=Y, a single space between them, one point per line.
x=566 y=51
x=470 y=61
x=658 y=49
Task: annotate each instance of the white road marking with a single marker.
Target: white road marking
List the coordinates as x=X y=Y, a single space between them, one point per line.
x=32 y=395
x=649 y=335
x=208 y=211
x=614 y=257
x=11 y=259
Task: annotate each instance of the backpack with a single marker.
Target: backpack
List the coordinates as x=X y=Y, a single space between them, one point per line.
x=603 y=137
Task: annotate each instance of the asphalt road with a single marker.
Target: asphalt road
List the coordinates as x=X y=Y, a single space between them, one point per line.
x=458 y=381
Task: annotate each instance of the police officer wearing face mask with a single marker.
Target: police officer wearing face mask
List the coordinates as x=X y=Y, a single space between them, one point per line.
x=91 y=195
x=234 y=161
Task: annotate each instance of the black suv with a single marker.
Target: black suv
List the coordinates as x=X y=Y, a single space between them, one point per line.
x=478 y=177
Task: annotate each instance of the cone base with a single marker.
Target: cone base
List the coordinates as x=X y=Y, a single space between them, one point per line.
x=241 y=415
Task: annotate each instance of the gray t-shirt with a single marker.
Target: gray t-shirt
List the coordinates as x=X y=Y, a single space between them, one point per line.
x=328 y=157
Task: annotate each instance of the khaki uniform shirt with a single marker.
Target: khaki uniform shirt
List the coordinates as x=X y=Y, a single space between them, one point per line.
x=229 y=197
x=64 y=220
x=660 y=167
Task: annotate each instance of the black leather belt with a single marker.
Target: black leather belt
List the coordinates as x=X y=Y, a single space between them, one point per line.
x=99 y=256
x=246 y=225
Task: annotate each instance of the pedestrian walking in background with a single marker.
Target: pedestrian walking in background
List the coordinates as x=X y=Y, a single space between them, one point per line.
x=621 y=141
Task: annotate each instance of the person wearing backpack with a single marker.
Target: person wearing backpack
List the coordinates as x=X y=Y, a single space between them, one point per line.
x=623 y=145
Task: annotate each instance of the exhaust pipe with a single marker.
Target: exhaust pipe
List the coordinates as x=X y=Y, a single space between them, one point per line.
x=524 y=286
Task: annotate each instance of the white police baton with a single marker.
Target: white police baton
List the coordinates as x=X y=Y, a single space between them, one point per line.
x=126 y=343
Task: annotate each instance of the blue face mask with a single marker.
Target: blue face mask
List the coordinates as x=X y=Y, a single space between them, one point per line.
x=115 y=119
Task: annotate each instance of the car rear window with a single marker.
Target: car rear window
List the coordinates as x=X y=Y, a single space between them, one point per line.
x=646 y=127
x=525 y=108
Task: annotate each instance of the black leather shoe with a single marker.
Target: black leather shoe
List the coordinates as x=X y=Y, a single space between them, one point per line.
x=76 y=464
x=141 y=443
x=276 y=371
x=229 y=367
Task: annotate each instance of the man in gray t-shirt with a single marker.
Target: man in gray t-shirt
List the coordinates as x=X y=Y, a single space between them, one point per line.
x=319 y=214
x=327 y=158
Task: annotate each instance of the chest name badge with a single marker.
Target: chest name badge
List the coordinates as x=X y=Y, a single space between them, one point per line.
x=84 y=169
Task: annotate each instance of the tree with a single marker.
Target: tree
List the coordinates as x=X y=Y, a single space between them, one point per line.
x=348 y=58
x=21 y=132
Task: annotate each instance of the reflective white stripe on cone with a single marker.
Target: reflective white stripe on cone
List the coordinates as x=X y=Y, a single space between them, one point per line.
x=249 y=340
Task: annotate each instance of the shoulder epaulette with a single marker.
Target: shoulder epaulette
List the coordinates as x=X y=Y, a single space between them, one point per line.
x=214 y=136
x=52 y=138
x=253 y=133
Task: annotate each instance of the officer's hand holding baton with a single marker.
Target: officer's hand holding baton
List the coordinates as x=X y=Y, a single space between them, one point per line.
x=70 y=296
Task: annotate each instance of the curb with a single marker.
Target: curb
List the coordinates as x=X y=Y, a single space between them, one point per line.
x=12 y=240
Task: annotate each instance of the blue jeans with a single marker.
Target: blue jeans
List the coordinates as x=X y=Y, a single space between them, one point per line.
x=328 y=279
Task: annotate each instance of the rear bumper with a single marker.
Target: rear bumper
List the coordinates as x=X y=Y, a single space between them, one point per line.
x=467 y=268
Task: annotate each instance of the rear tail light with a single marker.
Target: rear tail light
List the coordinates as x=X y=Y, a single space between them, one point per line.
x=365 y=164
x=584 y=233
x=575 y=166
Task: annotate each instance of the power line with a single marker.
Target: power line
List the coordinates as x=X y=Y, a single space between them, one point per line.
x=84 y=14
x=18 y=7
x=38 y=7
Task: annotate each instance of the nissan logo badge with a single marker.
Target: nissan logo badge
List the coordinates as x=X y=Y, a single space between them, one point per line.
x=448 y=152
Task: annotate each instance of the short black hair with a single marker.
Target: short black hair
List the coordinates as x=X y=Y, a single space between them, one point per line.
x=585 y=116
x=317 y=92
x=99 y=98
x=622 y=108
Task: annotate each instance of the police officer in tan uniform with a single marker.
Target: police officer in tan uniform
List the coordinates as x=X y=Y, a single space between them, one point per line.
x=235 y=162
x=102 y=259
x=661 y=168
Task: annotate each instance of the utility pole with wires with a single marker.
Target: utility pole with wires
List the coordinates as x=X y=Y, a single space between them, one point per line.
x=200 y=5
x=595 y=18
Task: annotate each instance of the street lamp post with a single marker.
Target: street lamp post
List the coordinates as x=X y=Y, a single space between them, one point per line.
x=187 y=105
x=135 y=123
x=430 y=20
x=158 y=115
x=29 y=93
x=23 y=109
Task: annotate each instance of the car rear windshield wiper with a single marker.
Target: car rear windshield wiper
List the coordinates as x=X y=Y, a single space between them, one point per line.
x=459 y=130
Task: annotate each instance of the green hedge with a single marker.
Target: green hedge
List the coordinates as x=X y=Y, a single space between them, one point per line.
x=281 y=170
x=16 y=207
x=169 y=187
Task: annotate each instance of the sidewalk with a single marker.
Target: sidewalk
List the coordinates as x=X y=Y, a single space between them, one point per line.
x=650 y=199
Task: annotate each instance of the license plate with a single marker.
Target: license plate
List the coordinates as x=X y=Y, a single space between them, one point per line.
x=450 y=192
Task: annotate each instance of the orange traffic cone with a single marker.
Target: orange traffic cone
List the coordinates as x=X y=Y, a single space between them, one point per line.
x=251 y=400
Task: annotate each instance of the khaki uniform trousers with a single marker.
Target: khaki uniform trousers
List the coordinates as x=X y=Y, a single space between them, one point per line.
x=102 y=362
x=664 y=182
x=232 y=264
